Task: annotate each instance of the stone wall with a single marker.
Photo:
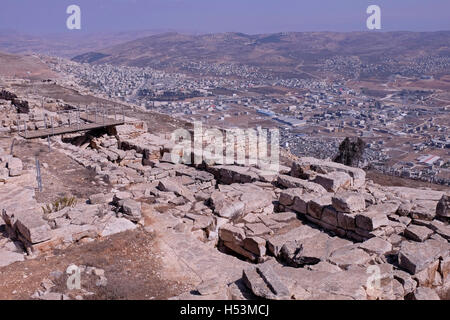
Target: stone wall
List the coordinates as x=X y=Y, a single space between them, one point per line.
x=310 y=231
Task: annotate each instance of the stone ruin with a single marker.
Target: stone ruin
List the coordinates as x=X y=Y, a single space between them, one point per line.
x=313 y=230
x=21 y=106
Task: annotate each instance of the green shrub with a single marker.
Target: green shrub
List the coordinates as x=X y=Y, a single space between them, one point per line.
x=59 y=204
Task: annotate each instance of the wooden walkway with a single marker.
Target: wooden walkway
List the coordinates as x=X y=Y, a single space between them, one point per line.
x=94 y=123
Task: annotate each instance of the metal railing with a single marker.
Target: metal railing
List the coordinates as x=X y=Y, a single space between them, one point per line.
x=75 y=117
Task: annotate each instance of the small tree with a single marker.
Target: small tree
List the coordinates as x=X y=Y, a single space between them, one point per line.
x=350 y=151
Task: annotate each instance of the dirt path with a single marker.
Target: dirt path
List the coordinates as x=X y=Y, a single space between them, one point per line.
x=131 y=261
x=387 y=180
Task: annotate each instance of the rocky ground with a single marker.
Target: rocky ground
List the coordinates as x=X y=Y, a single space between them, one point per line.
x=139 y=226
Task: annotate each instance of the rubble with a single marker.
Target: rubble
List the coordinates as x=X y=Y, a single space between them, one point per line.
x=311 y=231
x=424 y=293
x=132 y=210
x=264 y=283
x=48 y=287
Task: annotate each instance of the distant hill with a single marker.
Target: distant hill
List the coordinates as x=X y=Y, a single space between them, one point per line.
x=290 y=54
x=283 y=52
x=90 y=57
x=65 y=44
x=24 y=66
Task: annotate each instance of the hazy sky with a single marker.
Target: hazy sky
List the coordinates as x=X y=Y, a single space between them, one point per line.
x=207 y=16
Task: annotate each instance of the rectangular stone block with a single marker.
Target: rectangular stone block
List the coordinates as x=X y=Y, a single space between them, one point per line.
x=255 y=245
x=371 y=220
x=346 y=221
x=301 y=203
x=308 y=186
x=349 y=202
x=416 y=256
x=240 y=250
x=334 y=181
x=288 y=196
x=330 y=216
x=230 y=233
x=32 y=227
x=316 y=206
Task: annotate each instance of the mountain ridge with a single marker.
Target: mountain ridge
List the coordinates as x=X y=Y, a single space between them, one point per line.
x=283 y=51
